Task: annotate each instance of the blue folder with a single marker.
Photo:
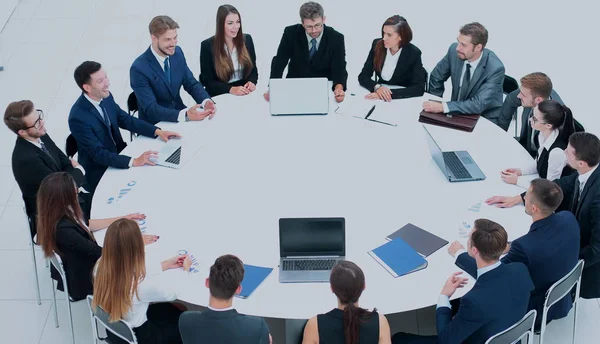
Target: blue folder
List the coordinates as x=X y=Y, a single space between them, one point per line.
x=398 y=258
x=253 y=277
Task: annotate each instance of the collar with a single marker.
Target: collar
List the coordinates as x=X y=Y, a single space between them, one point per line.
x=95 y=103
x=308 y=38
x=37 y=143
x=583 y=178
x=395 y=56
x=542 y=222
x=482 y=271
x=221 y=309
x=160 y=59
x=474 y=63
x=549 y=141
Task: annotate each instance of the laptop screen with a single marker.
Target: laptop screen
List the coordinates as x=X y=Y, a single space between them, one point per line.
x=299 y=96
x=312 y=237
x=436 y=152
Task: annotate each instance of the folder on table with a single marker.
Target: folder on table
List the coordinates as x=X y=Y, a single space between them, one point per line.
x=253 y=277
x=398 y=258
x=421 y=240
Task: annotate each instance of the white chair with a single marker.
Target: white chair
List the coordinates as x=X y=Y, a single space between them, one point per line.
x=33 y=244
x=560 y=289
x=119 y=328
x=58 y=265
x=514 y=334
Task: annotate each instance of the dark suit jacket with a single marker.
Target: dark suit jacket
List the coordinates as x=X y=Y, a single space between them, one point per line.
x=31 y=165
x=409 y=73
x=208 y=75
x=549 y=250
x=484 y=96
x=588 y=216
x=158 y=100
x=97 y=148
x=226 y=327
x=329 y=61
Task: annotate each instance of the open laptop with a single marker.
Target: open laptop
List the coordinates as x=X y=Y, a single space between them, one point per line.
x=457 y=166
x=299 y=96
x=310 y=247
x=170 y=154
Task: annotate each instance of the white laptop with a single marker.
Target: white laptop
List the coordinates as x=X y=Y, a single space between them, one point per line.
x=299 y=96
x=170 y=154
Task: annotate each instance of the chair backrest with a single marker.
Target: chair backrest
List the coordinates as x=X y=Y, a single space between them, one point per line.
x=56 y=261
x=564 y=286
x=71 y=146
x=516 y=332
x=132 y=105
x=30 y=223
x=119 y=328
x=578 y=126
x=509 y=85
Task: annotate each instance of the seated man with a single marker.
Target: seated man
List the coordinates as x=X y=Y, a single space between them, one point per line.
x=549 y=250
x=582 y=198
x=498 y=299
x=477 y=76
x=95 y=120
x=157 y=75
x=313 y=50
x=535 y=88
x=221 y=323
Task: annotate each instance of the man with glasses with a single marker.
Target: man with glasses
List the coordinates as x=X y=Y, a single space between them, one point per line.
x=35 y=155
x=313 y=50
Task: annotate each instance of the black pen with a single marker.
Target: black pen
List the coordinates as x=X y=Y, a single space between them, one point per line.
x=433 y=100
x=370 y=112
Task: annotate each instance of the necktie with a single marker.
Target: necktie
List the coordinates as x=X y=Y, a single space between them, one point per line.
x=107 y=121
x=313 y=48
x=45 y=150
x=576 y=197
x=167 y=70
x=465 y=84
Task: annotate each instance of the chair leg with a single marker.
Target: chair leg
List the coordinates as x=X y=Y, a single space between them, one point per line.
x=70 y=320
x=54 y=303
x=37 y=280
x=575 y=320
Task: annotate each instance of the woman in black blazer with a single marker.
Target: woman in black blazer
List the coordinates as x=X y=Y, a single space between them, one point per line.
x=395 y=61
x=228 y=59
x=63 y=229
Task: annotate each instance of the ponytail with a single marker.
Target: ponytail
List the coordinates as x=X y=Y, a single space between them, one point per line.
x=568 y=126
x=353 y=316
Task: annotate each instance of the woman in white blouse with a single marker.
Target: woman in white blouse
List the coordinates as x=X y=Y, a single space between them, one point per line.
x=553 y=124
x=125 y=289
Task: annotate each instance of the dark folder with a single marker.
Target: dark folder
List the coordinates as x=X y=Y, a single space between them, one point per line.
x=398 y=258
x=253 y=277
x=453 y=121
x=421 y=240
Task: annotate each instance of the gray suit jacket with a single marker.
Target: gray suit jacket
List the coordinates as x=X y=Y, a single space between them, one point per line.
x=484 y=96
x=225 y=327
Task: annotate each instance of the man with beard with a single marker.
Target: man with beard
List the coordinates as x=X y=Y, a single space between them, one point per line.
x=477 y=76
x=158 y=74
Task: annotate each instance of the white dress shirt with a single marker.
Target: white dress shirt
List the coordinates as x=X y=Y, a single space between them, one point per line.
x=444 y=301
x=583 y=178
x=237 y=67
x=38 y=144
x=220 y=309
x=474 y=65
x=557 y=160
x=318 y=40
x=389 y=64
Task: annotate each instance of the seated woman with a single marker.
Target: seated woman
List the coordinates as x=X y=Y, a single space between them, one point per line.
x=62 y=228
x=124 y=286
x=348 y=323
x=553 y=124
x=395 y=61
x=227 y=59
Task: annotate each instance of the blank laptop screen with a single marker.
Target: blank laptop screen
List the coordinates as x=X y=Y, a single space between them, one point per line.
x=312 y=237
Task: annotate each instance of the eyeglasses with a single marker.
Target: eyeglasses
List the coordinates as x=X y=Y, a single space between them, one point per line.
x=313 y=27
x=38 y=123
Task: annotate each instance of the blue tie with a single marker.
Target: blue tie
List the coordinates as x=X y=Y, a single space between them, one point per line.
x=167 y=70
x=313 y=48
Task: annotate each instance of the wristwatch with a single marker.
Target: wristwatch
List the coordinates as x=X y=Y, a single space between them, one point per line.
x=376 y=87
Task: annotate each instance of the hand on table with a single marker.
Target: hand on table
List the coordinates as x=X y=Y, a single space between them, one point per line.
x=453 y=283
x=145 y=159
x=239 y=90
x=187 y=263
x=511 y=175
x=266 y=96
x=173 y=263
x=503 y=201
x=196 y=113
x=166 y=135
x=135 y=216
x=384 y=93
x=339 y=93
x=250 y=86
x=210 y=106
x=433 y=107
x=149 y=238
x=455 y=247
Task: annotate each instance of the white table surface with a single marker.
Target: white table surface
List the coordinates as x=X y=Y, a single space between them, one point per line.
x=244 y=169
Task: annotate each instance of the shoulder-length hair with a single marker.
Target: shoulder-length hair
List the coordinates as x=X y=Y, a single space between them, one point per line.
x=402 y=28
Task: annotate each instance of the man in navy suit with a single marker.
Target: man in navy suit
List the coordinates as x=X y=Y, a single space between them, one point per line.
x=95 y=120
x=549 y=250
x=157 y=75
x=498 y=299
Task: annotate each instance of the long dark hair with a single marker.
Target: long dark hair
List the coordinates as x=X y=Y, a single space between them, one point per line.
x=223 y=64
x=559 y=117
x=402 y=28
x=348 y=282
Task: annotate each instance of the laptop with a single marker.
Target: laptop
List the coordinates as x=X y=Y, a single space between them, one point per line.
x=170 y=154
x=299 y=96
x=457 y=166
x=309 y=248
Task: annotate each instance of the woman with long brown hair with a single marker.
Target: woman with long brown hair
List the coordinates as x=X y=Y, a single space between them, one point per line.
x=228 y=59
x=348 y=323
x=62 y=228
x=124 y=286
x=395 y=62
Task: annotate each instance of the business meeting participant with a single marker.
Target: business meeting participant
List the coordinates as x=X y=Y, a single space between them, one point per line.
x=582 y=197
x=498 y=299
x=313 y=50
x=228 y=59
x=95 y=120
x=395 y=62
x=549 y=250
x=348 y=323
x=477 y=76
x=125 y=288
x=64 y=229
x=535 y=88
x=554 y=124
x=221 y=323
x=157 y=76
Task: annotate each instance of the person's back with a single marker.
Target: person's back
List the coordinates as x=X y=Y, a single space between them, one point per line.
x=332 y=330
x=224 y=327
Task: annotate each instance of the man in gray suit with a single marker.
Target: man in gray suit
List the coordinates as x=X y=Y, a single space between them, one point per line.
x=535 y=88
x=477 y=76
x=221 y=323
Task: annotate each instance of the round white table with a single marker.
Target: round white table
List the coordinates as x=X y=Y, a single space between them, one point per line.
x=244 y=169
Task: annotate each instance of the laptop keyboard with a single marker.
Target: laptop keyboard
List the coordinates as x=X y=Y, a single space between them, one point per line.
x=456 y=166
x=309 y=264
x=175 y=157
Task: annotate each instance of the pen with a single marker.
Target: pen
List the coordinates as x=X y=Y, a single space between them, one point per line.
x=370 y=112
x=433 y=100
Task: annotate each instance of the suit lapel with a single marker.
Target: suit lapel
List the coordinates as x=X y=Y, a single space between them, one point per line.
x=478 y=72
x=588 y=185
x=35 y=150
x=401 y=64
x=94 y=111
x=159 y=69
x=322 y=45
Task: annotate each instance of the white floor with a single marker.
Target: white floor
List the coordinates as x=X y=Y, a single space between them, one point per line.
x=44 y=40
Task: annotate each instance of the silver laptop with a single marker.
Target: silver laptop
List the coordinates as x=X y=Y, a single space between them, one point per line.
x=170 y=154
x=310 y=247
x=303 y=96
x=457 y=166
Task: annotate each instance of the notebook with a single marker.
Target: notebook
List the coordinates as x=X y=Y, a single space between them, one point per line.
x=398 y=258
x=421 y=240
x=253 y=277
